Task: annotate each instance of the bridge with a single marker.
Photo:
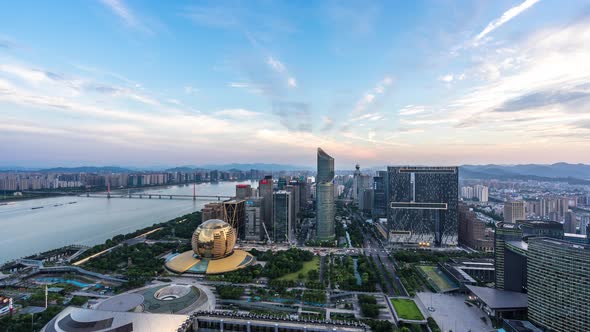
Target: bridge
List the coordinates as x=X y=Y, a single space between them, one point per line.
x=143 y=195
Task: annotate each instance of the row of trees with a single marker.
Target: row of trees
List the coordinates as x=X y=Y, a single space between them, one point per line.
x=369 y=306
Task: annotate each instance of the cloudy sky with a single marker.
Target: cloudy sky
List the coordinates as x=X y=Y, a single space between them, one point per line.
x=141 y=83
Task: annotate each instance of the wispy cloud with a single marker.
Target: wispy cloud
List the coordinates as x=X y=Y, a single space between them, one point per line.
x=119 y=8
x=280 y=69
x=507 y=16
x=369 y=98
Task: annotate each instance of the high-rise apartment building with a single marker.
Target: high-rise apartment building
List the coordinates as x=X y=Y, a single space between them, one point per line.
x=558 y=285
x=481 y=192
x=467 y=193
x=570 y=223
x=282 y=222
x=423 y=203
x=325 y=209
x=514 y=211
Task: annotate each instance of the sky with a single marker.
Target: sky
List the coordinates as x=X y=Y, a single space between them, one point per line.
x=145 y=83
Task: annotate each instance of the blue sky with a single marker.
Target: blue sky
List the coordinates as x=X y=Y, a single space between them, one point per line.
x=123 y=82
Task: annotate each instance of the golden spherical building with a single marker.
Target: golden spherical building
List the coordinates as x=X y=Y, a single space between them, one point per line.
x=213 y=251
x=214 y=239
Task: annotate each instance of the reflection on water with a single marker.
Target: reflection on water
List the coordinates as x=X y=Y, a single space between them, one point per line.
x=32 y=226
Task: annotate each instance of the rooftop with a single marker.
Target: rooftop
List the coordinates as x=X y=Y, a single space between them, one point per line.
x=499 y=299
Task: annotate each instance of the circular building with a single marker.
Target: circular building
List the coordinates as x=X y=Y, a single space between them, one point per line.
x=213 y=251
x=214 y=239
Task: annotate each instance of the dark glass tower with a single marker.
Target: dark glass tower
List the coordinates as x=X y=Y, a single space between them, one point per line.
x=423 y=203
x=325 y=197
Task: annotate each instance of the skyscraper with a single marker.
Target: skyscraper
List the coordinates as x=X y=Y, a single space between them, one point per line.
x=234 y=213
x=558 y=279
x=423 y=203
x=570 y=223
x=514 y=211
x=505 y=232
x=325 y=197
x=380 y=194
x=243 y=191
x=282 y=222
x=265 y=191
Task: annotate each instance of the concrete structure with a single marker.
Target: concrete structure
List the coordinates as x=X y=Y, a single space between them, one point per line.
x=481 y=192
x=282 y=216
x=504 y=232
x=254 y=230
x=500 y=303
x=558 y=285
x=380 y=194
x=570 y=223
x=213 y=251
x=424 y=203
x=325 y=208
x=514 y=211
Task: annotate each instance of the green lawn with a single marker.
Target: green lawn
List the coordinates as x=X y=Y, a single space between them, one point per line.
x=313 y=264
x=434 y=276
x=407 y=309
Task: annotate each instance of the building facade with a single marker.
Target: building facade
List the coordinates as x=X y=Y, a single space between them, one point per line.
x=325 y=208
x=558 y=285
x=514 y=211
x=234 y=213
x=265 y=188
x=282 y=223
x=474 y=232
x=423 y=203
x=505 y=232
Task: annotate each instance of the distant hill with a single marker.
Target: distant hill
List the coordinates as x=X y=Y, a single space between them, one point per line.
x=258 y=166
x=87 y=169
x=554 y=171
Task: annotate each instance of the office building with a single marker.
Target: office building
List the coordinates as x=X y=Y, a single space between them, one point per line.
x=423 y=203
x=570 y=223
x=265 y=191
x=282 y=222
x=505 y=232
x=234 y=213
x=474 y=232
x=366 y=203
x=243 y=191
x=325 y=209
x=380 y=185
x=514 y=211
x=558 y=285
x=585 y=225
x=254 y=229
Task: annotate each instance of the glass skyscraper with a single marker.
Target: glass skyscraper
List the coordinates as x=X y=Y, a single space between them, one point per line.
x=325 y=197
x=423 y=204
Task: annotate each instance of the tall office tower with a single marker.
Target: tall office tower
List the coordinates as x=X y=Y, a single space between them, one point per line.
x=584 y=223
x=325 y=213
x=474 y=232
x=423 y=203
x=265 y=191
x=481 y=192
x=380 y=195
x=365 y=182
x=569 y=225
x=282 y=222
x=505 y=232
x=558 y=279
x=366 y=204
x=212 y=211
x=294 y=190
x=514 y=211
x=234 y=213
x=563 y=206
x=467 y=193
x=243 y=191
x=356 y=183
x=254 y=230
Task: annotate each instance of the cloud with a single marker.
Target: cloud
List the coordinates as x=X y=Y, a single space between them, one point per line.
x=292 y=82
x=412 y=110
x=370 y=96
x=277 y=66
x=238 y=113
x=507 y=16
x=189 y=90
x=295 y=116
x=448 y=78
x=119 y=8
x=545 y=98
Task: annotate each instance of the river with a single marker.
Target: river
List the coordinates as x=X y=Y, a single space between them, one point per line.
x=26 y=229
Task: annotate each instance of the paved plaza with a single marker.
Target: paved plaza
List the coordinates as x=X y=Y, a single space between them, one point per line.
x=451 y=313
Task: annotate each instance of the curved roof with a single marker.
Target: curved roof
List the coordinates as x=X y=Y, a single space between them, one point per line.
x=214 y=224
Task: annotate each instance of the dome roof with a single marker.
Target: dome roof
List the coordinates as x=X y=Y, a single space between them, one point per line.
x=214 y=224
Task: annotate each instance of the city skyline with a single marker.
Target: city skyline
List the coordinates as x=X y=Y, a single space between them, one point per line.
x=118 y=82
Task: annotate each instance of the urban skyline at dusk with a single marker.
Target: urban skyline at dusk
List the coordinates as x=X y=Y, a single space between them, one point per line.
x=377 y=83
